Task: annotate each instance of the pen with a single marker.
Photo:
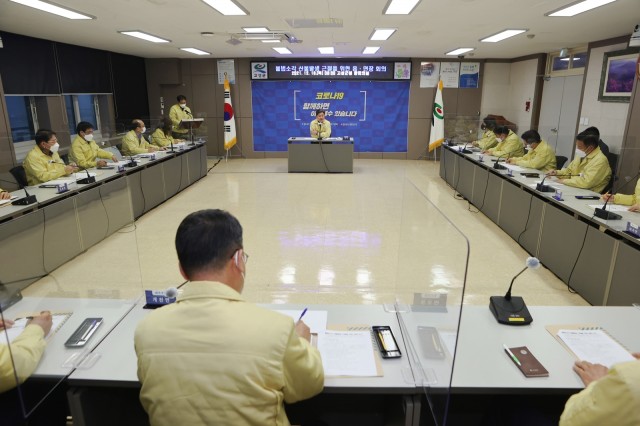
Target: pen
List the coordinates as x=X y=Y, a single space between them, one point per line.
x=302 y=314
x=513 y=357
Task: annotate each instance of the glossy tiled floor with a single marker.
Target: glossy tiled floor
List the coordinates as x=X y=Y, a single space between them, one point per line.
x=384 y=233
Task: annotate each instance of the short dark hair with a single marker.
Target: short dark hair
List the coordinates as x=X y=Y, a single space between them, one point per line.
x=531 y=136
x=489 y=123
x=181 y=98
x=83 y=126
x=136 y=123
x=206 y=240
x=592 y=131
x=43 y=135
x=165 y=124
x=319 y=111
x=588 y=139
x=501 y=130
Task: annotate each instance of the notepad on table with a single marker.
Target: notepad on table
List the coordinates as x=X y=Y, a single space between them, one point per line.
x=594 y=345
x=347 y=353
x=19 y=325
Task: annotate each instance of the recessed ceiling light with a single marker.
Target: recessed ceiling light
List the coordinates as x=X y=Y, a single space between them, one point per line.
x=270 y=41
x=400 y=7
x=207 y=34
x=255 y=29
x=227 y=7
x=53 y=8
x=502 y=35
x=145 y=36
x=382 y=33
x=370 y=50
x=578 y=7
x=195 y=51
x=460 y=51
x=326 y=50
x=282 y=50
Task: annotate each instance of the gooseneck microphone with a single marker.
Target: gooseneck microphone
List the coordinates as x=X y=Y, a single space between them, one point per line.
x=512 y=310
x=85 y=181
x=605 y=214
x=28 y=198
x=464 y=149
x=500 y=166
x=319 y=131
x=131 y=163
x=548 y=188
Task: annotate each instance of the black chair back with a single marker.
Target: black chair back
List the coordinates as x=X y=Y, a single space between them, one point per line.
x=20 y=175
x=613 y=163
x=560 y=161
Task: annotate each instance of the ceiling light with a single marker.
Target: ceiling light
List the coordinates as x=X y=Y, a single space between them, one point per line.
x=53 y=8
x=145 y=36
x=400 y=7
x=195 y=51
x=207 y=34
x=502 y=35
x=326 y=50
x=233 y=41
x=370 y=50
x=382 y=33
x=226 y=7
x=255 y=29
x=578 y=7
x=460 y=51
x=282 y=50
x=270 y=41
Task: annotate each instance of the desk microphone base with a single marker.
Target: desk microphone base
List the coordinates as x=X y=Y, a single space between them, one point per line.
x=606 y=214
x=545 y=188
x=510 y=312
x=26 y=201
x=499 y=166
x=87 y=180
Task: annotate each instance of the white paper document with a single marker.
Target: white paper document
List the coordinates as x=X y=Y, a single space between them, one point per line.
x=316 y=320
x=59 y=182
x=8 y=200
x=82 y=175
x=595 y=346
x=513 y=167
x=347 y=353
x=610 y=207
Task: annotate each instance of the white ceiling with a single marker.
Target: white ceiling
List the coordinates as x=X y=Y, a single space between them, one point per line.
x=433 y=28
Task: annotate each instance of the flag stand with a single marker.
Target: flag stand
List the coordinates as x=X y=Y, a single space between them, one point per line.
x=226 y=158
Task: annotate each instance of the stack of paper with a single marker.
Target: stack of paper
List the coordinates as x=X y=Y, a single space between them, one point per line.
x=595 y=346
x=347 y=353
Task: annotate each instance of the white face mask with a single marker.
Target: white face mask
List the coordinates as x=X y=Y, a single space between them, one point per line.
x=183 y=106
x=144 y=129
x=499 y=139
x=580 y=154
x=88 y=138
x=55 y=147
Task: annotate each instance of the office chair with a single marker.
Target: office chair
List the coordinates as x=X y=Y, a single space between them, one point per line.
x=20 y=175
x=560 y=161
x=613 y=163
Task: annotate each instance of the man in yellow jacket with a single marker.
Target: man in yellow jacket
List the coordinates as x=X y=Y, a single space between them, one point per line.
x=43 y=163
x=177 y=113
x=26 y=349
x=320 y=127
x=632 y=200
x=134 y=143
x=540 y=156
x=589 y=168
x=611 y=397
x=85 y=151
x=488 y=140
x=509 y=144
x=213 y=358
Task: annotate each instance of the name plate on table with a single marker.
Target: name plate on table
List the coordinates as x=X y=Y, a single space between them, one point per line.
x=157 y=298
x=557 y=196
x=120 y=168
x=633 y=230
x=62 y=187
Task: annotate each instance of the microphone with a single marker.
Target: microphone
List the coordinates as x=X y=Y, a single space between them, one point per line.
x=547 y=188
x=603 y=213
x=319 y=131
x=173 y=291
x=464 y=149
x=512 y=310
x=188 y=112
x=499 y=166
x=27 y=200
x=85 y=181
x=131 y=163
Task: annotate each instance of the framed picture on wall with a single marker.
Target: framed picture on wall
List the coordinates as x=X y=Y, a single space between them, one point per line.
x=618 y=73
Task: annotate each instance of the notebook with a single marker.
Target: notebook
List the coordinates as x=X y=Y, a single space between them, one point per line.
x=19 y=325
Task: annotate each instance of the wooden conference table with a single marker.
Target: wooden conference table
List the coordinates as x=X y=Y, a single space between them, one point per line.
x=594 y=256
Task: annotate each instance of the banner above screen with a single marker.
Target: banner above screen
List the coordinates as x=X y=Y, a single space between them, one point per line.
x=374 y=113
x=337 y=70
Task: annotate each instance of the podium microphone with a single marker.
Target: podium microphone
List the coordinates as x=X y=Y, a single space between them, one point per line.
x=512 y=310
x=27 y=200
x=188 y=112
x=603 y=213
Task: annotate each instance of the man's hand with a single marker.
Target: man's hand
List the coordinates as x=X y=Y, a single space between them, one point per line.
x=635 y=208
x=6 y=324
x=114 y=159
x=43 y=320
x=511 y=161
x=4 y=195
x=101 y=163
x=552 y=173
x=152 y=149
x=608 y=197
x=590 y=372
x=303 y=330
x=70 y=169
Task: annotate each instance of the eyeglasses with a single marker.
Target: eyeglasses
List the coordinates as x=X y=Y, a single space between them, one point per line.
x=245 y=256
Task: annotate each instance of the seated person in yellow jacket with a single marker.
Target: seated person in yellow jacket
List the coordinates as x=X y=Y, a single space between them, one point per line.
x=632 y=200
x=610 y=397
x=589 y=168
x=509 y=144
x=43 y=163
x=85 y=151
x=320 y=127
x=540 y=156
x=4 y=195
x=488 y=137
x=26 y=350
x=134 y=143
x=162 y=136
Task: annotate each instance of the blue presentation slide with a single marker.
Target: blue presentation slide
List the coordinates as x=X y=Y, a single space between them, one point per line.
x=374 y=113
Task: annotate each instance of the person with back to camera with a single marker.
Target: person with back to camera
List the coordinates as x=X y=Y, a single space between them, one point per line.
x=320 y=127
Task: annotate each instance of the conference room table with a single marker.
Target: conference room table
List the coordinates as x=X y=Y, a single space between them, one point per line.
x=594 y=256
x=313 y=155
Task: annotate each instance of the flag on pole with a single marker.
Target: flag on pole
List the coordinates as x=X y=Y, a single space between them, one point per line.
x=229 y=118
x=437 y=122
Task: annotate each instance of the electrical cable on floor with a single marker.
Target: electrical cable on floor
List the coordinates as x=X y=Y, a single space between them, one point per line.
x=211 y=168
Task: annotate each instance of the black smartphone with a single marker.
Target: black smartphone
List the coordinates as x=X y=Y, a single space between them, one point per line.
x=430 y=342
x=530 y=175
x=386 y=342
x=587 y=197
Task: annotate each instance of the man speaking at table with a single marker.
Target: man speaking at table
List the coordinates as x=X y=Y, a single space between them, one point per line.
x=213 y=358
x=320 y=127
x=85 y=151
